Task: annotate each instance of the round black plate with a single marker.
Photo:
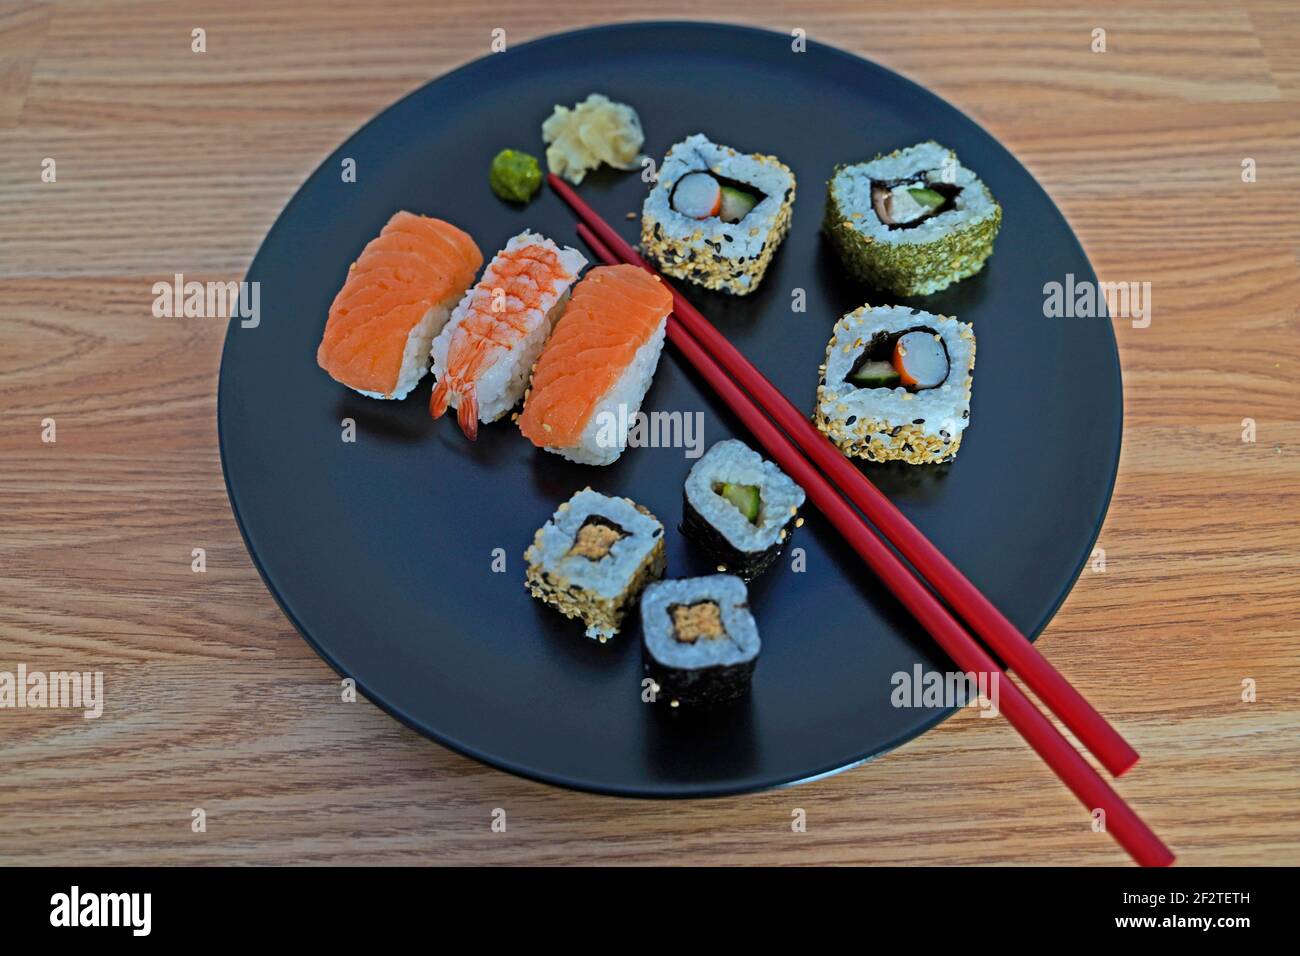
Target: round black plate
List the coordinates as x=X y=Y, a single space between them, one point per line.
x=381 y=551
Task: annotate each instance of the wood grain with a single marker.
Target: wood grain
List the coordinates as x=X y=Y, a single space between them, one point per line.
x=171 y=161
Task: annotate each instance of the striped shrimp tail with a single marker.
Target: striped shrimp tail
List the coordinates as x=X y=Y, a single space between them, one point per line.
x=439 y=398
x=467 y=413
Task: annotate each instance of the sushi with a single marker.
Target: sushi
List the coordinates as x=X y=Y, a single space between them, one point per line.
x=593 y=558
x=593 y=373
x=897 y=384
x=739 y=509
x=397 y=296
x=912 y=222
x=716 y=216
x=482 y=357
x=699 y=642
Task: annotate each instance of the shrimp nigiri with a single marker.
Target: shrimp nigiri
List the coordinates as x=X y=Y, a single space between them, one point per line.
x=482 y=358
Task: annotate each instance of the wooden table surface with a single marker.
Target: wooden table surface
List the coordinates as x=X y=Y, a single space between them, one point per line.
x=171 y=161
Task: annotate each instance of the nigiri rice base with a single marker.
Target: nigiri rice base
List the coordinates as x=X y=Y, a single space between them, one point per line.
x=605 y=436
x=415 y=357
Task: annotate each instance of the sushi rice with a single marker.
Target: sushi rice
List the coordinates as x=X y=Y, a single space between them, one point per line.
x=600 y=443
x=415 y=356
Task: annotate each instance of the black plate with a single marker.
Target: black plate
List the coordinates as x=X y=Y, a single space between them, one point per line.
x=380 y=551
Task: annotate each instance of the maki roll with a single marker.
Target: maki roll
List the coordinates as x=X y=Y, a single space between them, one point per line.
x=588 y=384
x=593 y=557
x=912 y=222
x=699 y=642
x=896 y=385
x=739 y=509
x=716 y=216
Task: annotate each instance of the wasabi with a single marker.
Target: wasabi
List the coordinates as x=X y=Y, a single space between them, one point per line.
x=515 y=176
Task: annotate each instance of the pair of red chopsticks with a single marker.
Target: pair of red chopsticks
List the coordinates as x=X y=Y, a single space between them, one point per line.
x=759 y=404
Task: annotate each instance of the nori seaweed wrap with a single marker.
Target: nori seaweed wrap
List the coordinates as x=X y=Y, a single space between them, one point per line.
x=699 y=642
x=739 y=509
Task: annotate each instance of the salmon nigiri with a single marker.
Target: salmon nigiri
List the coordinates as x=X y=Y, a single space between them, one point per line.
x=591 y=377
x=483 y=356
x=398 y=295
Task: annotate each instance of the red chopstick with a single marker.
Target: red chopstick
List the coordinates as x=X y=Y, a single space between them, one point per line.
x=1059 y=696
x=1086 y=784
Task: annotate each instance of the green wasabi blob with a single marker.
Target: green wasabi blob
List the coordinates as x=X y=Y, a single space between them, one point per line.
x=515 y=176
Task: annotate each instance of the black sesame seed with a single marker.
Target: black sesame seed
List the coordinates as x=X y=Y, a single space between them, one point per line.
x=918 y=421
x=897 y=429
x=850 y=420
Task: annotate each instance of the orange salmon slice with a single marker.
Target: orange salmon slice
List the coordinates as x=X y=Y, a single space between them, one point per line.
x=396 y=298
x=614 y=311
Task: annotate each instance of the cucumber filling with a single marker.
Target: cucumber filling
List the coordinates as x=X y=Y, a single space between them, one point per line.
x=744 y=497
x=871 y=374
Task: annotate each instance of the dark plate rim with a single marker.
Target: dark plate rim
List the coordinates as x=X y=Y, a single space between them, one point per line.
x=677 y=791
